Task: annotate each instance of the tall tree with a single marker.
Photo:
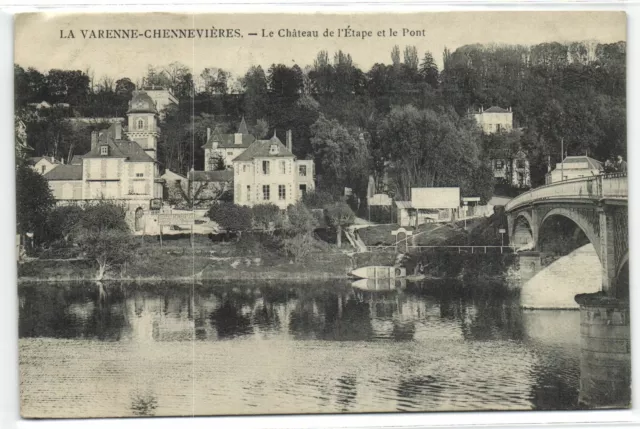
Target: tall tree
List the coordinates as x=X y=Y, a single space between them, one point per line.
x=429 y=70
x=34 y=201
x=395 y=56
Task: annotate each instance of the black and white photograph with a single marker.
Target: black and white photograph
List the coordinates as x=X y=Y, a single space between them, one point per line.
x=292 y=213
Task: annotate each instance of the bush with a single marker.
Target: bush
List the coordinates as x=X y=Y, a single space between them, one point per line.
x=266 y=217
x=61 y=222
x=300 y=219
x=231 y=217
x=299 y=247
x=102 y=216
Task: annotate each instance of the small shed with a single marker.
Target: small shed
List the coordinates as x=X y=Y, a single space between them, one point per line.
x=406 y=213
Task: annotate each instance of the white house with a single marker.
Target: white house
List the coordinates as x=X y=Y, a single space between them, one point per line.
x=226 y=146
x=574 y=167
x=268 y=172
x=495 y=119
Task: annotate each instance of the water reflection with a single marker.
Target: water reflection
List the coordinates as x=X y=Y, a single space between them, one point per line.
x=307 y=347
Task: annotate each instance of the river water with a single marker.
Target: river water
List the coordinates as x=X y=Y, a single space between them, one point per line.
x=109 y=350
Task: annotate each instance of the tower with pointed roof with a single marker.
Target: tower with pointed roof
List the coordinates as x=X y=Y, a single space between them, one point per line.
x=143 y=122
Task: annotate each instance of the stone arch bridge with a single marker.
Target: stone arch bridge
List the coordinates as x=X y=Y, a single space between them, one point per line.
x=597 y=205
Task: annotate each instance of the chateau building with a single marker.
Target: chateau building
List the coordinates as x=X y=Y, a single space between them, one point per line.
x=121 y=165
x=268 y=172
x=223 y=148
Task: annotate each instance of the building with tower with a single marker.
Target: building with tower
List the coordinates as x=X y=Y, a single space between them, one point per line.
x=121 y=164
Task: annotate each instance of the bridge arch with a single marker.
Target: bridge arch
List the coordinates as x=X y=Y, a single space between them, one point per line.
x=523 y=230
x=580 y=221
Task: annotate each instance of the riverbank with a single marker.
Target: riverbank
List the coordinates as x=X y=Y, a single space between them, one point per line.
x=177 y=261
x=201 y=257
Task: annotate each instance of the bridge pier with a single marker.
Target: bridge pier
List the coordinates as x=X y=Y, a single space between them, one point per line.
x=607 y=250
x=605 y=358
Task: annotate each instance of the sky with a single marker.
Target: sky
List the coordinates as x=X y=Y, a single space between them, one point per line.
x=42 y=40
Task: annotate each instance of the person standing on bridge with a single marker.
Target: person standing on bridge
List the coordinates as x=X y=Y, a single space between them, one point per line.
x=609 y=166
x=622 y=165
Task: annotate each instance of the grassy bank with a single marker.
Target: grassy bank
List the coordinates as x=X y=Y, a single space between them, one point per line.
x=178 y=260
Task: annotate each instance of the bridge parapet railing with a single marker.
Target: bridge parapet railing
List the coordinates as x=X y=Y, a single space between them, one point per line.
x=615 y=186
x=602 y=186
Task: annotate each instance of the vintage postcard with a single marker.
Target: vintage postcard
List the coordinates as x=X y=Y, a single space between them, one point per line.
x=237 y=214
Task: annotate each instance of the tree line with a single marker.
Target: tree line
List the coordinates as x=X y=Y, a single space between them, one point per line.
x=404 y=120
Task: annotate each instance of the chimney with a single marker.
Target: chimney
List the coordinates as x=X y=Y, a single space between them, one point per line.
x=94 y=139
x=208 y=134
x=117 y=128
x=289 y=141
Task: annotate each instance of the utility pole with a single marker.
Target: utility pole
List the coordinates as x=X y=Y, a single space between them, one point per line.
x=562 y=158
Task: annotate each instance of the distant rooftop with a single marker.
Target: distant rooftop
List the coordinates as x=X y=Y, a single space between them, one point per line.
x=65 y=172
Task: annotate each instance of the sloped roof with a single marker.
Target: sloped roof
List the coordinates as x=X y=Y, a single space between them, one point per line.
x=229 y=140
x=404 y=204
x=130 y=150
x=170 y=175
x=242 y=128
x=262 y=149
x=65 y=172
x=496 y=109
x=593 y=163
x=211 y=176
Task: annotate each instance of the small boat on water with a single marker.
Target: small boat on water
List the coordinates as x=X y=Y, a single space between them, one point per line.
x=379 y=272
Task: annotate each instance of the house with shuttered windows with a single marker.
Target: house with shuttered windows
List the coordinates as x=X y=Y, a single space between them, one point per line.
x=121 y=164
x=268 y=172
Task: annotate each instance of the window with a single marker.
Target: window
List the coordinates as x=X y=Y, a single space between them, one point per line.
x=104 y=150
x=44 y=168
x=303 y=190
x=140 y=124
x=282 y=192
x=265 y=192
x=248 y=192
x=229 y=152
x=498 y=127
x=273 y=149
x=302 y=170
x=283 y=167
x=499 y=164
x=244 y=168
x=265 y=167
x=139 y=174
x=520 y=163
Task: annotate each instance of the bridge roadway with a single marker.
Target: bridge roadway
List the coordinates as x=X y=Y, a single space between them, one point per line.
x=597 y=205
